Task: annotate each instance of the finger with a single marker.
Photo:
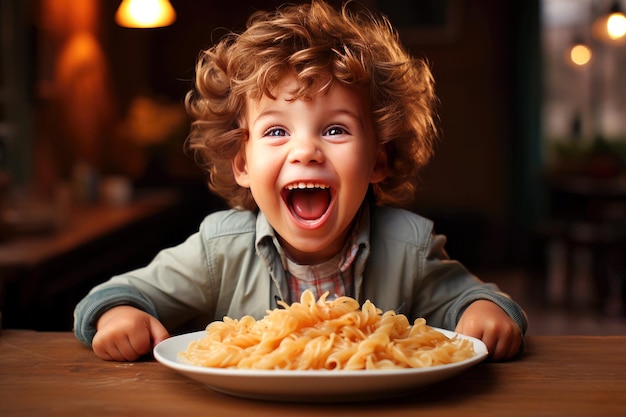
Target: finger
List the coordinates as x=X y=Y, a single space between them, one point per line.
x=110 y=353
x=491 y=342
x=143 y=341
x=100 y=348
x=104 y=355
x=499 y=352
x=515 y=346
x=139 y=343
x=158 y=331
x=116 y=349
x=507 y=347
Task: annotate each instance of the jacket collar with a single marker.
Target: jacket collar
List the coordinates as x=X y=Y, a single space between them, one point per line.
x=269 y=249
x=265 y=232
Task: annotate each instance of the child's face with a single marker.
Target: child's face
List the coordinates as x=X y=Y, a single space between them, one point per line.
x=308 y=165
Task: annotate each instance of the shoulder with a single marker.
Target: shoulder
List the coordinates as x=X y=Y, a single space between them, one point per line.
x=228 y=223
x=400 y=225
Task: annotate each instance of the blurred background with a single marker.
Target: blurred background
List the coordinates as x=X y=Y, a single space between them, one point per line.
x=527 y=181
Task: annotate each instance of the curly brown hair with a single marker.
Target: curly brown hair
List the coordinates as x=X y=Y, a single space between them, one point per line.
x=313 y=41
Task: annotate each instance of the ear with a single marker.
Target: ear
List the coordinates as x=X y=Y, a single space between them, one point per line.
x=380 y=170
x=240 y=169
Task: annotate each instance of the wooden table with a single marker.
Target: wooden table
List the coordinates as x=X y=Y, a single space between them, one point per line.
x=52 y=374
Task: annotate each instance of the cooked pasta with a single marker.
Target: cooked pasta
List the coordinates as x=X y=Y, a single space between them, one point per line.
x=320 y=334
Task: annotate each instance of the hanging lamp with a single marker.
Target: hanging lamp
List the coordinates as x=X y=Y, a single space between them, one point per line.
x=145 y=13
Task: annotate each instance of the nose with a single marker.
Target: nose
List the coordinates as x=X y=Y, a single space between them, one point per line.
x=306 y=149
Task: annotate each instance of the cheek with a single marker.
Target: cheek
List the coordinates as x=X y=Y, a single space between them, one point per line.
x=356 y=176
x=360 y=167
x=262 y=169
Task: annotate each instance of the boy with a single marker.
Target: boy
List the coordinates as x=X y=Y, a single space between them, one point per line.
x=311 y=124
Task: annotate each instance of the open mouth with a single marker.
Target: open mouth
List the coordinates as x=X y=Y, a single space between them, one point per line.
x=307 y=201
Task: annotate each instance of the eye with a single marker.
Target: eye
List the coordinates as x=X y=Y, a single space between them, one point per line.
x=335 y=130
x=275 y=131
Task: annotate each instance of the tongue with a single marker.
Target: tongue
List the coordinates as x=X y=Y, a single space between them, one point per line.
x=310 y=204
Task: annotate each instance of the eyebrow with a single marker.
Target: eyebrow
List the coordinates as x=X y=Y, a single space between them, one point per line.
x=351 y=114
x=277 y=113
x=354 y=115
x=269 y=113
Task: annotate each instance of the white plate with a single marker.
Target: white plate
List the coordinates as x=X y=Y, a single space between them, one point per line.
x=315 y=385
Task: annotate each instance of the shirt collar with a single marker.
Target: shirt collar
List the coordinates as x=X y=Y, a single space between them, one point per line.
x=265 y=232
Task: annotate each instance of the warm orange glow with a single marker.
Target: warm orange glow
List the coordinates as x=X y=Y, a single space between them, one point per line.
x=64 y=17
x=580 y=54
x=610 y=27
x=84 y=102
x=145 y=13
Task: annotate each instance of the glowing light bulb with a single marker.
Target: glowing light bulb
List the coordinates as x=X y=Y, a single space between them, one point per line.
x=145 y=13
x=580 y=54
x=616 y=26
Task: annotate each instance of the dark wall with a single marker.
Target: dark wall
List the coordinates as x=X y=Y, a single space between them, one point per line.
x=470 y=187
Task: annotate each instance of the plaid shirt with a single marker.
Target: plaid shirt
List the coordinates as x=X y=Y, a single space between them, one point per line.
x=335 y=275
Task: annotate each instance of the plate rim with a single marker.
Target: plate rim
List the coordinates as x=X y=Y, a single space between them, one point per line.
x=480 y=354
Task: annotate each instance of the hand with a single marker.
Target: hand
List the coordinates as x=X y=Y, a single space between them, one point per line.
x=126 y=333
x=486 y=321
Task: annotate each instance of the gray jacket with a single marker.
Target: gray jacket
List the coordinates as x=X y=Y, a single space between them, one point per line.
x=231 y=267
